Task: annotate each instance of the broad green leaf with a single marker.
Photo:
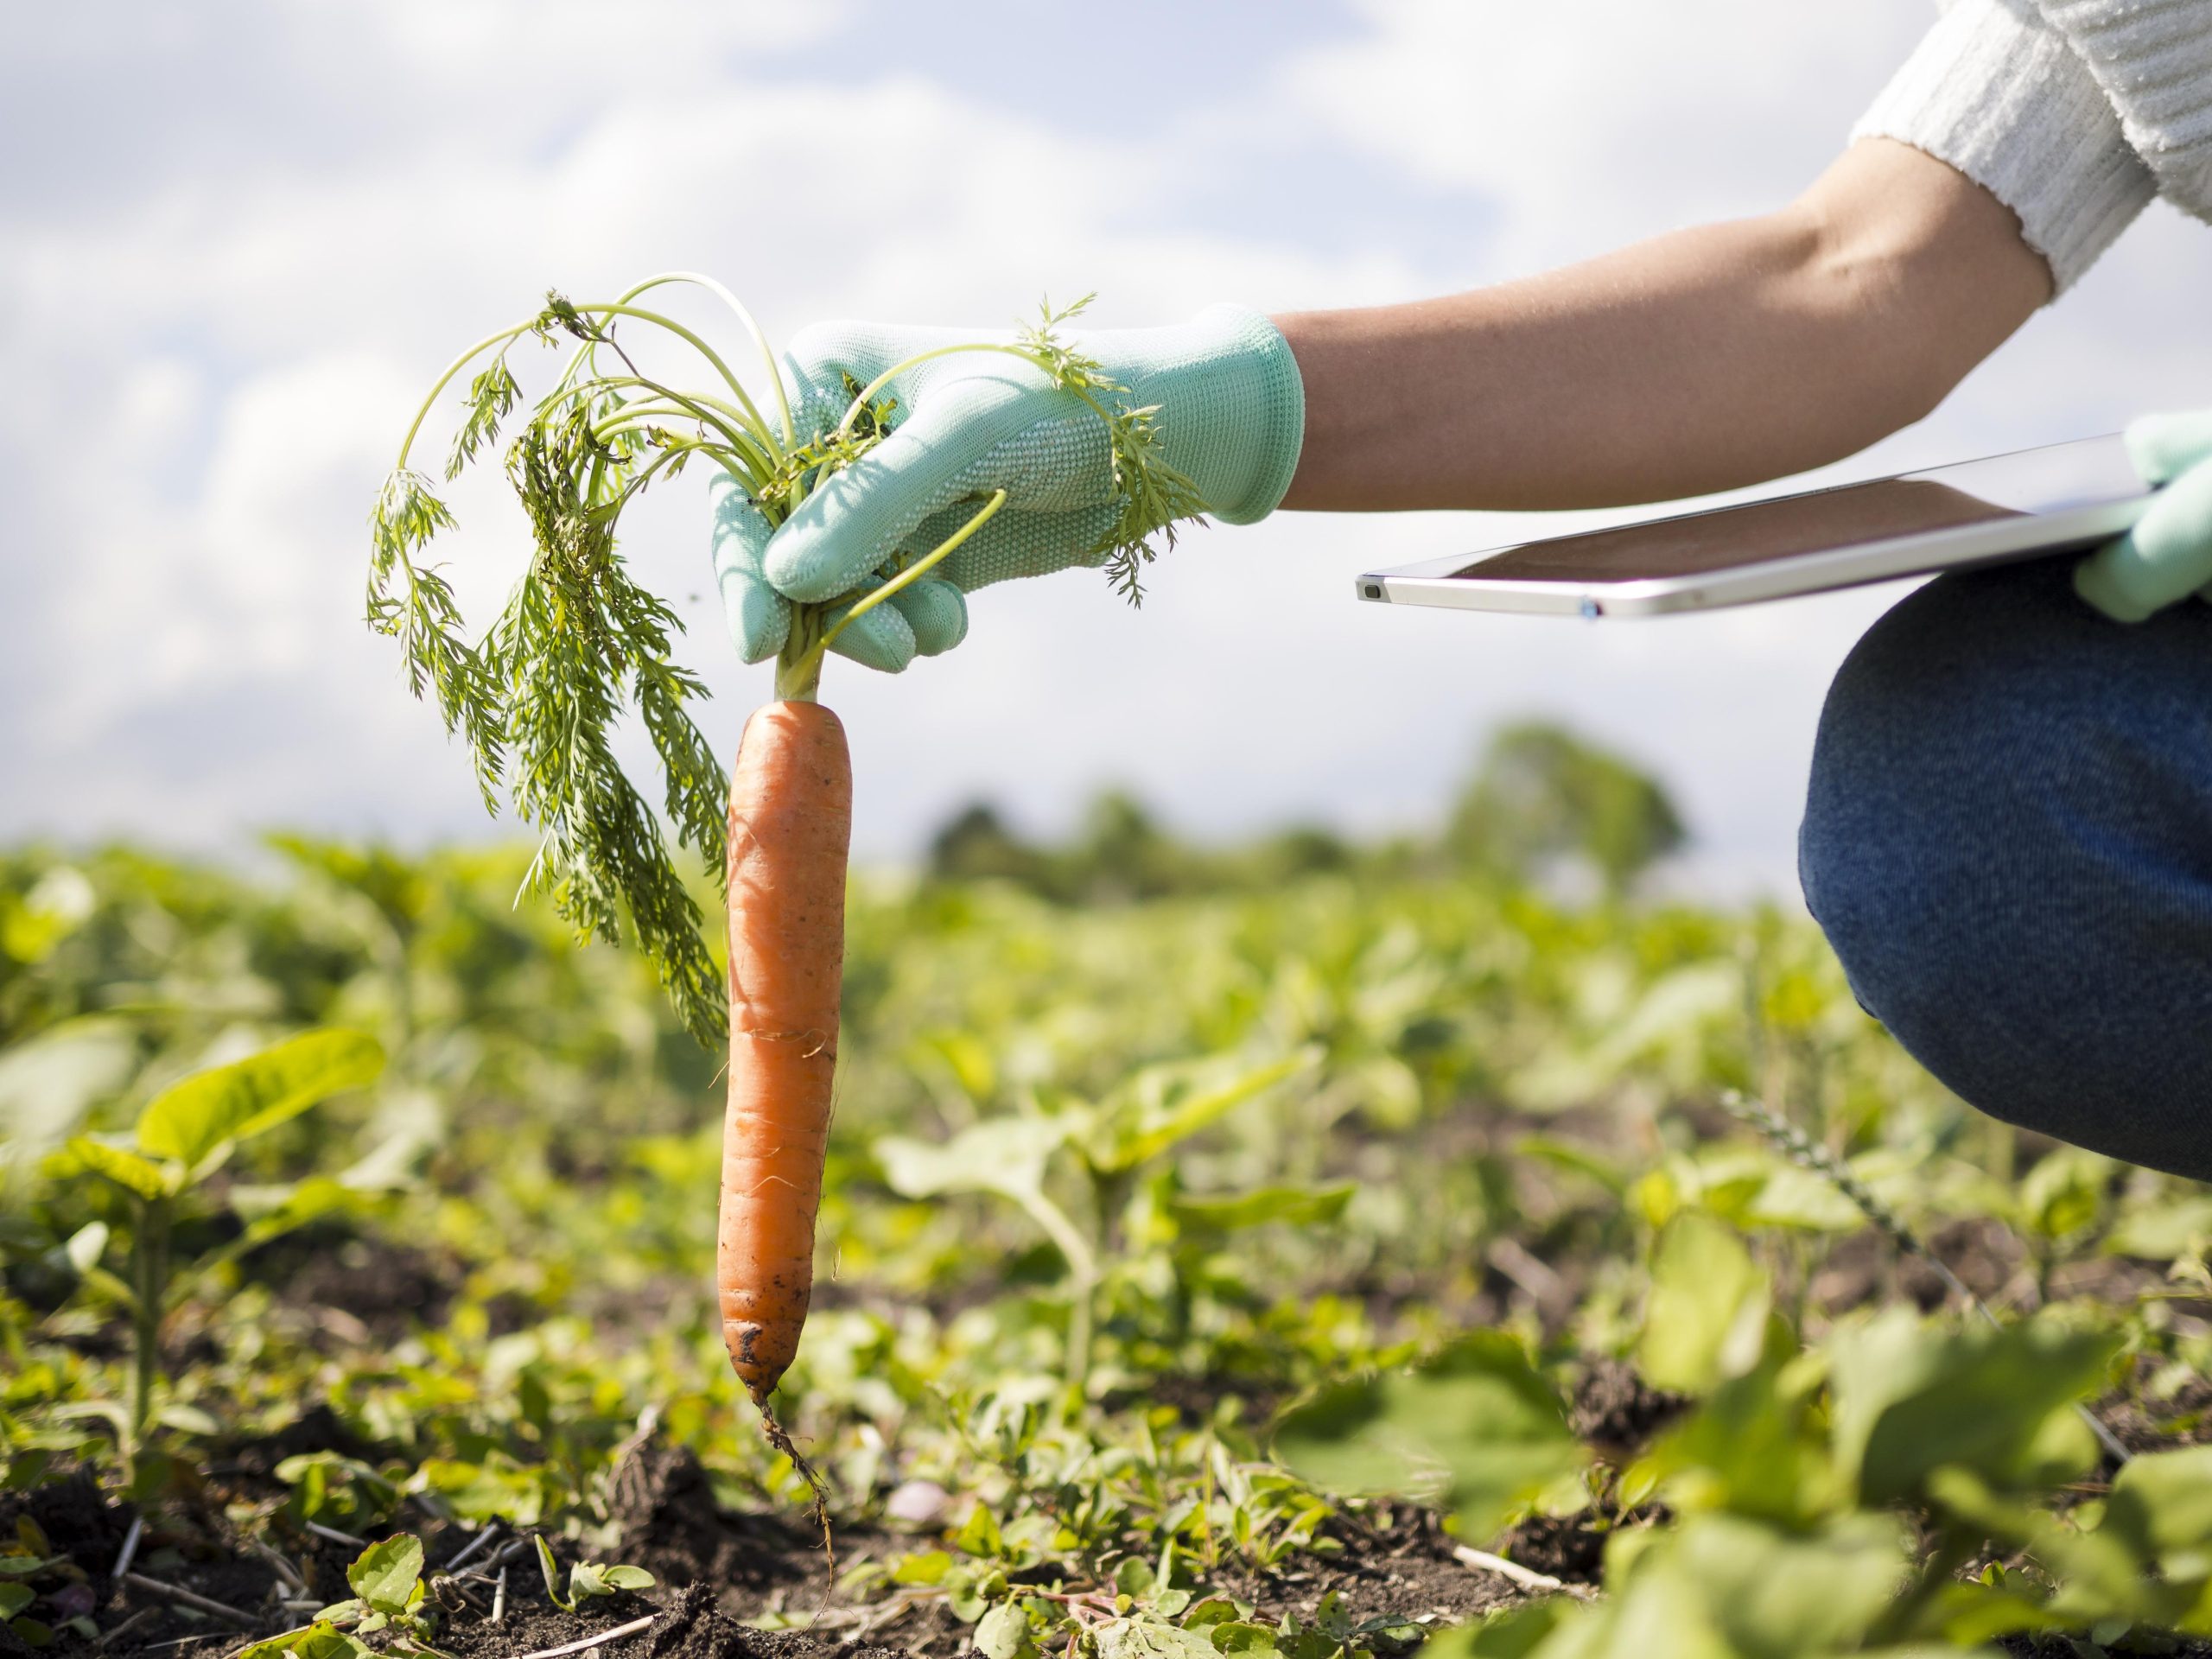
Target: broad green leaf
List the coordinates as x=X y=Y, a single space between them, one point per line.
x=1244 y=1638
x=15 y=1596
x=1304 y=1206
x=1574 y=1156
x=1508 y=1633
x=2064 y=1192
x=2161 y=1503
x=496 y=1488
x=31 y=1632
x=1165 y=1104
x=588 y=1578
x=1002 y=1154
x=386 y=1575
x=188 y=1420
x=86 y=1246
x=1910 y=1398
x=1776 y=1595
x=2161 y=1232
x=1705 y=1318
x=1002 y=1633
x=1475 y=1427
x=126 y=1169
x=629 y=1578
x=272 y=1647
x=922 y=1566
x=2101 y=1575
x=192 y=1121
x=1753 y=1446
x=50 y=1082
x=1143 y=1637
x=1803 y=1199
x=323 y=1641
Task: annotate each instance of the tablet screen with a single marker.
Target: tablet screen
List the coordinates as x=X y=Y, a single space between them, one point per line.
x=2091 y=472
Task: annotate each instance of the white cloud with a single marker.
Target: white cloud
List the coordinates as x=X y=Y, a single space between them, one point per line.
x=1589 y=122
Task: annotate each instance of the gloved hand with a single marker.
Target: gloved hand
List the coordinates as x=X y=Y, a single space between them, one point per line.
x=2168 y=555
x=1231 y=417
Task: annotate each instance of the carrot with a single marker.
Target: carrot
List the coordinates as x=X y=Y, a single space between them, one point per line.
x=791 y=817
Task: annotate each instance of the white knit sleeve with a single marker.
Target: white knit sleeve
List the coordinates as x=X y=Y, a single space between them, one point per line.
x=1999 y=93
x=2153 y=58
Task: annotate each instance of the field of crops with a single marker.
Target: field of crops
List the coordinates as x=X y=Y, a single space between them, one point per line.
x=1305 y=1251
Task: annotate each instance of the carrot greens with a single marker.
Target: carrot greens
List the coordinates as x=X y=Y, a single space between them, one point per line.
x=580 y=647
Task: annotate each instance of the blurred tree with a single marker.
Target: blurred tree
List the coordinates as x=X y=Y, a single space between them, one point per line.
x=1123 y=854
x=976 y=845
x=1543 y=795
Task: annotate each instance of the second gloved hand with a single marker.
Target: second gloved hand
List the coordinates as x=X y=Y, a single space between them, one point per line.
x=1230 y=416
x=2168 y=555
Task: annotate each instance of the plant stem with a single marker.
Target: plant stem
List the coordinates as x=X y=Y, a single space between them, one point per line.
x=1082 y=1268
x=799 y=668
x=759 y=340
x=148 y=1247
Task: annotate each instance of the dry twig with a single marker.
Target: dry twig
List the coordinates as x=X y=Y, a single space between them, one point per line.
x=599 y=1641
x=192 y=1599
x=1528 y=1577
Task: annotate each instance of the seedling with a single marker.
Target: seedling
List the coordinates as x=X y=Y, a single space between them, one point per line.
x=388 y=1596
x=1109 y=1143
x=586 y=1579
x=184 y=1135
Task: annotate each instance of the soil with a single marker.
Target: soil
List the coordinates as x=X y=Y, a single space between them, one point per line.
x=1393 y=1563
x=383 y=1289
x=1617 y=1414
x=717 y=1569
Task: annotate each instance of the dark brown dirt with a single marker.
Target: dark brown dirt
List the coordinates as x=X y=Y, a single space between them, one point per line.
x=1565 y=1548
x=386 y=1288
x=1394 y=1563
x=668 y=1525
x=1617 y=1413
x=2184 y=1419
x=686 y=1624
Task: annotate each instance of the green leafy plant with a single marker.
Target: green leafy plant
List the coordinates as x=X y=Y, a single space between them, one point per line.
x=586 y=1579
x=162 y=1172
x=390 y=1599
x=1107 y=1145
x=580 y=644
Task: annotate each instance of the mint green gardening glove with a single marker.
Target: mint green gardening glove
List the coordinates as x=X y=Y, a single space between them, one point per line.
x=922 y=618
x=1231 y=416
x=2168 y=556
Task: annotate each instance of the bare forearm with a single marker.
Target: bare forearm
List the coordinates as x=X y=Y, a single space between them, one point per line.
x=1699 y=361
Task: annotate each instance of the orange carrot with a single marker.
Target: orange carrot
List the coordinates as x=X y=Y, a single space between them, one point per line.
x=791 y=818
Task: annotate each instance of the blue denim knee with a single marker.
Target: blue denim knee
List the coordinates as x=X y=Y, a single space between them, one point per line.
x=2008 y=841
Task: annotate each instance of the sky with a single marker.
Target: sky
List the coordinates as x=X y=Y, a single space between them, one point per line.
x=238 y=240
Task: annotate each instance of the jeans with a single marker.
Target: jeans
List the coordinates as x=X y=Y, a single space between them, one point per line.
x=2008 y=841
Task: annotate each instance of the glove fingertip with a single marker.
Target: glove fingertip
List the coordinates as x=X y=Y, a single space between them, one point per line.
x=2110 y=581
x=936 y=612
x=758 y=617
x=808 y=560
x=2163 y=447
x=881 y=639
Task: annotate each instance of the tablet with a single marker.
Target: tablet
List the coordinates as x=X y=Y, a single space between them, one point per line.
x=2065 y=498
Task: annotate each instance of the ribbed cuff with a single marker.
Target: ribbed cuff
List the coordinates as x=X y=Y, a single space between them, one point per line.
x=1277 y=394
x=2000 y=95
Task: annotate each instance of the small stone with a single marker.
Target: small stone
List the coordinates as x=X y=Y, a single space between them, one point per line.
x=924 y=1503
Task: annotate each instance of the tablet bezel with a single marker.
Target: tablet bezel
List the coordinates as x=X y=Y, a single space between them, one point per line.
x=2030 y=535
